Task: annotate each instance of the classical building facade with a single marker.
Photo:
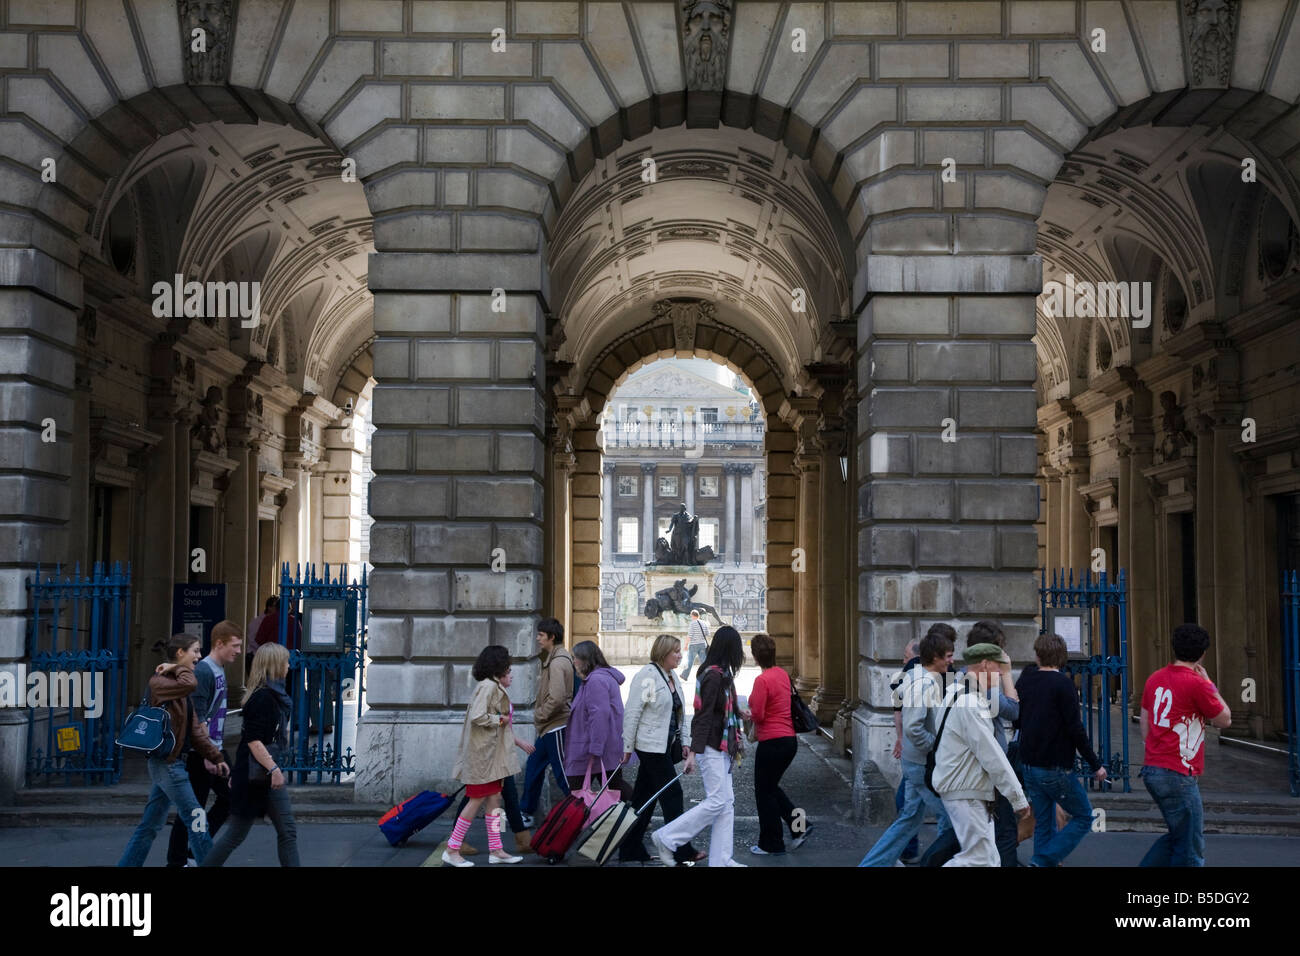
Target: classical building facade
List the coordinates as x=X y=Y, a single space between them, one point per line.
x=465 y=219
x=672 y=437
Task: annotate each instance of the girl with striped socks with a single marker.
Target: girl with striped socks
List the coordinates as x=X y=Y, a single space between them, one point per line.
x=487 y=755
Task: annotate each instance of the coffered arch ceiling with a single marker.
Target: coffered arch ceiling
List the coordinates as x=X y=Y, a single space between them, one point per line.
x=731 y=217
x=258 y=202
x=1159 y=204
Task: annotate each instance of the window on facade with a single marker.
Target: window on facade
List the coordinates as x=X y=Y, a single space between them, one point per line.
x=708 y=486
x=668 y=486
x=663 y=527
x=626 y=485
x=709 y=530
x=670 y=415
x=709 y=415
x=627 y=536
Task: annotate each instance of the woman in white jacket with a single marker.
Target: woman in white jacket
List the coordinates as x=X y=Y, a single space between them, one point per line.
x=652 y=726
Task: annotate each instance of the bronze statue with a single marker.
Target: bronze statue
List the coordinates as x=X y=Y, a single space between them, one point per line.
x=679 y=600
x=682 y=546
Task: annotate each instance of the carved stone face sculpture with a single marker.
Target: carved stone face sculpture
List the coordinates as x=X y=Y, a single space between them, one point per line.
x=1210 y=40
x=707 y=26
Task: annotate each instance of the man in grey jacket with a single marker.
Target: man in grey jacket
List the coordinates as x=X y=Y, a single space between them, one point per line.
x=555 y=690
x=921 y=691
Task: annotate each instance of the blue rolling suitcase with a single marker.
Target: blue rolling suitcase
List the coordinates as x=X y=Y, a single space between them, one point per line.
x=414 y=814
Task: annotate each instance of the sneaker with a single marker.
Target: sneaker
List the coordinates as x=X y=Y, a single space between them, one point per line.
x=454 y=859
x=802 y=838
x=909 y=860
x=665 y=854
x=504 y=858
x=734 y=863
x=528 y=820
x=759 y=851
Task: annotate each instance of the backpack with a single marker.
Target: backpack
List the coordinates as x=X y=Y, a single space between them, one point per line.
x=932 y=756
x=148 y=730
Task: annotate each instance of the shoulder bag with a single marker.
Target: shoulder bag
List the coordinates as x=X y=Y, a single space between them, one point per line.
x=801 y=715
x=148 y=730
x=933 y=754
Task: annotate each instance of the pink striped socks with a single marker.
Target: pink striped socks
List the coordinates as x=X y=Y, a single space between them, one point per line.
x=458 y=834
x=494 y=832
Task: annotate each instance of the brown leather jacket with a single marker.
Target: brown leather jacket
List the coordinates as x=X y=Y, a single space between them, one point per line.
x=169 y=691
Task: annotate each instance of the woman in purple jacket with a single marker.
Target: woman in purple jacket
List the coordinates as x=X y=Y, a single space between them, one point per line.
x=595 y=721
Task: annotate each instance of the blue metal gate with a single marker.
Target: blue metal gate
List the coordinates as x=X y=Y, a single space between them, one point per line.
x=319 y=680
x=76 y=645
x=1101 y=674
x=1291 y=673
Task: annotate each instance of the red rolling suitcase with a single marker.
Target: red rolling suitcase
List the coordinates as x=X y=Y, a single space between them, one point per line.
x=560 y=828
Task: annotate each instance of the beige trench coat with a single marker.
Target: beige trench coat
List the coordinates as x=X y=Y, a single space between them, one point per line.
x=487 y=744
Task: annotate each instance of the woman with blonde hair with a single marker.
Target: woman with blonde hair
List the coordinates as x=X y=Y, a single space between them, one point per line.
x=257 y=788
x=652 y=726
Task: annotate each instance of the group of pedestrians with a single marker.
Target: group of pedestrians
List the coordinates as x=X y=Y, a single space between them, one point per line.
x=959 y=764
x=587 y=737
x=193 y=692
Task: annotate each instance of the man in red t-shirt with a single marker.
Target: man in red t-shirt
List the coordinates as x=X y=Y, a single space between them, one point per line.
x=1177 y=702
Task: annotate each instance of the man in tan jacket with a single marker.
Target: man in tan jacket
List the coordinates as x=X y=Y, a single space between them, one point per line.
x=550 y=716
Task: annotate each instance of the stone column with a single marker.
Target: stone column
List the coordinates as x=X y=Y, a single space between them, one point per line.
x=1204 y=521
x=834 y=505
x=1079 y=542
x=238 y=534
x=802 y=414
x=746 y=554
x=946 y=526
x=39 y=301
x=1232 y=662
x=689 y=468
x=609 y=532
x=458 y=460
x=342 y=501
x=1052 y=481
x=649 y=531
x=564 y=537
x=1138 y=541
x=729 y=469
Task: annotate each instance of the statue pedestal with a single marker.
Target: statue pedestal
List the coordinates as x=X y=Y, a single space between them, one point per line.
x=632 y=644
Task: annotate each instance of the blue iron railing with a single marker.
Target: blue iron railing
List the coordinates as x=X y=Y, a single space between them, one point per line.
x=318 y=680
x=78 y=630
x=1291 y=673
x=1102 y=673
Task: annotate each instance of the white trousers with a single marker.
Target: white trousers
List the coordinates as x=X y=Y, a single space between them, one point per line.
x=974 y=830
x=717 y=809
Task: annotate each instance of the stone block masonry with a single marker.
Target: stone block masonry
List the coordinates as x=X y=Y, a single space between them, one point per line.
x=459 y=476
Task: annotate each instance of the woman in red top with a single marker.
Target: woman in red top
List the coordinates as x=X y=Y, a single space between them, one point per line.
x=769 y=702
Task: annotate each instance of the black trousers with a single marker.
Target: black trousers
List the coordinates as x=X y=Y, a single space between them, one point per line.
x=654 y=771
x=775 y=809
x=945 y=847
x=204 y=784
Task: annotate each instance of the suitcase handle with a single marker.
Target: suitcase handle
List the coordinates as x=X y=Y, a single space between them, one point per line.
x=659 y=791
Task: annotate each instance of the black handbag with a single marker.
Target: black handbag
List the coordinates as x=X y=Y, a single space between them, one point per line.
x=801 y=715
x=675 y=743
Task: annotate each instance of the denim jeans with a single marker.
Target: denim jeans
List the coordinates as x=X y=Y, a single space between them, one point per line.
x=203 y=784
x=1047 y=788
x=917 y=799
x=1178 y=795
x=695 y=652
x=280 y=810
x=549 y=750
x=171 y=787
x=913 y=848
